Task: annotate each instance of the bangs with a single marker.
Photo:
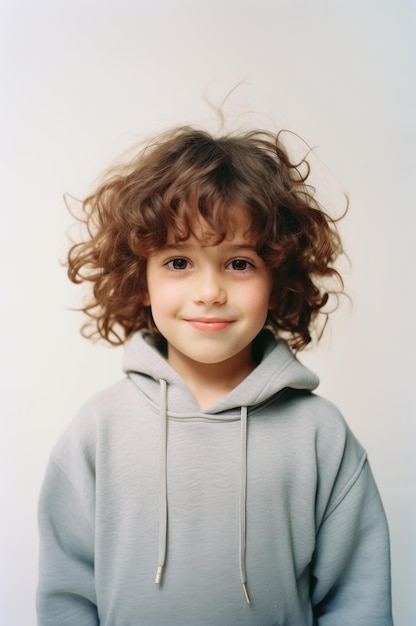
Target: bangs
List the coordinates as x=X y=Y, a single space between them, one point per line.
x=211 y=210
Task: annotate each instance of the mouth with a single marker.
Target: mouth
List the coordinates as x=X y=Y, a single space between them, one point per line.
x=209 y=324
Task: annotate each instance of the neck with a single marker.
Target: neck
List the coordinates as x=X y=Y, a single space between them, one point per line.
x=209 y=382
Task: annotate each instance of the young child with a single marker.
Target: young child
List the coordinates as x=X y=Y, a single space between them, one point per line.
x=210 y=486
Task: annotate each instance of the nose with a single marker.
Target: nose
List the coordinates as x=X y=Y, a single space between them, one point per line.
x=209 y=288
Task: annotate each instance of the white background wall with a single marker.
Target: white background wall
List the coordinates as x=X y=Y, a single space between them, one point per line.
x=83 y=79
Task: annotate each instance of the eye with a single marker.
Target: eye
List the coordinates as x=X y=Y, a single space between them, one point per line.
x=178 y=264
x=240 y=265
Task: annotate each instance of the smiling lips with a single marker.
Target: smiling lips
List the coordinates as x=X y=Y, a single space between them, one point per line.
x=209 y=324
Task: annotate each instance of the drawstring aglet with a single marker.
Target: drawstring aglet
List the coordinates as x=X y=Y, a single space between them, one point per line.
x=247 y=597
x=158 y=578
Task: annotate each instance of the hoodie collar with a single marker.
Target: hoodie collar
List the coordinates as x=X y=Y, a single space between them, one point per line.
x=277 y=369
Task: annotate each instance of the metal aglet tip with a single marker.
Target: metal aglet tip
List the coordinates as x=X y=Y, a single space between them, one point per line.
x=158 y=575
x=247 y=597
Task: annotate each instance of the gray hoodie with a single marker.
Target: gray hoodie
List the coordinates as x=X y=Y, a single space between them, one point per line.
x=260 y=510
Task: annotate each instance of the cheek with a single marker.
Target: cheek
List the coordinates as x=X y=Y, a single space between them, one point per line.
x=258 y=304
x=262 y=297
x=162 y=297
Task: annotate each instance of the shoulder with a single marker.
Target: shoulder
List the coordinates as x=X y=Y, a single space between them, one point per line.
x=334 y=442
x=313 y=415
x=334 y=438
x=108 y=409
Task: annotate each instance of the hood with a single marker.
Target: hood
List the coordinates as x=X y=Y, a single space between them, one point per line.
x=277 y=369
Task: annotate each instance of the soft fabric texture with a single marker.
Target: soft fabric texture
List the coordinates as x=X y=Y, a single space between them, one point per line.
x=266 y=493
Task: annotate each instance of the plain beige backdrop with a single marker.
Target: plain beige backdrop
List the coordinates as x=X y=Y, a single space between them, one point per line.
x=83 y=79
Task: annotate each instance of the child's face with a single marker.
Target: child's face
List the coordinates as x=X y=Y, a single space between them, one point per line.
x=209 y=301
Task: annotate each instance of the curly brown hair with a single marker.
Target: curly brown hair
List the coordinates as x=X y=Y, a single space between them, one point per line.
x=188 y=171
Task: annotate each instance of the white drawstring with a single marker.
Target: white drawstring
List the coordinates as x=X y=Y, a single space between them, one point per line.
x=163 y=488
x=243 y=501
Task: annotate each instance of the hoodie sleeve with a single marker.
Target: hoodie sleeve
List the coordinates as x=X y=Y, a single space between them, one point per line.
x=351 y=569
x=66 y=590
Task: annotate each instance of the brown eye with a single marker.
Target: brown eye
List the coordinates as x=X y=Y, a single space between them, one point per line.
x=240 y=265
x=178 y=264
